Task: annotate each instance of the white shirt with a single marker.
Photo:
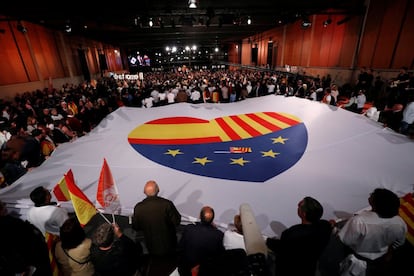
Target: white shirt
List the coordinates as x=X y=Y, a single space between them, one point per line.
x=48 y=218
x=233 y=240
x=360 y=100
x=408 y=113
x=369 y=235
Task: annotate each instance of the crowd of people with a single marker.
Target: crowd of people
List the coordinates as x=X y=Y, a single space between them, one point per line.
x=368 y=243
x=33 y=124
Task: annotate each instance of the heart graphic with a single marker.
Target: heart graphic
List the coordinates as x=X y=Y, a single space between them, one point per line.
x=245 y=147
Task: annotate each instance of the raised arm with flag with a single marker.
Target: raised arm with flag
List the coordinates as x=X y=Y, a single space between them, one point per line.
x=84 y=208
x=107 y=195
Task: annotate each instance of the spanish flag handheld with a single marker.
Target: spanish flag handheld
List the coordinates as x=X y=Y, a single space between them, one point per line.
x=84 y=208
x=407 y=214
x=61 y=190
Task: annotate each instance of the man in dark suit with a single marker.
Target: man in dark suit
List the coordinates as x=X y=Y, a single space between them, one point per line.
x=157 y=218
x=199 y=242
x=299 y=247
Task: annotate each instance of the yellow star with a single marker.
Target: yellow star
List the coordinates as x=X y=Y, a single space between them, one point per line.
x=269 y=153
x=239 y=161
x=173 y=152
x=279 y=140
x=201 y=161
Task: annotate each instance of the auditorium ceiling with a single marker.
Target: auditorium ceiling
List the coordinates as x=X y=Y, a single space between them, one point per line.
x=214 y=22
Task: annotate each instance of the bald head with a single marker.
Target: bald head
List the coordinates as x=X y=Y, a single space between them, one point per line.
x=207 y=214
x=151 y=188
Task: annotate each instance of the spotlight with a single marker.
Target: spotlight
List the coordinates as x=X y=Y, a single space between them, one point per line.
x=249 y=21
x=192 y=4
x=327 y=22
x=21 y=28
x=306 y=23
x=150 y=23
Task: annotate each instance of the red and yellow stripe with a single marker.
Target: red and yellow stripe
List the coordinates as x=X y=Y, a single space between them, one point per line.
x=187 y=130
x=406 y=212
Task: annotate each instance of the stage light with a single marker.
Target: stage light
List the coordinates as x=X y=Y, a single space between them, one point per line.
x=306 y=23
x=150 y=23
x=21 y=28
x=327 y=22
x=249 y=20
x=192 y=4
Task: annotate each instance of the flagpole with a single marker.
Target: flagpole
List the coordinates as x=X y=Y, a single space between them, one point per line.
x=102 y=215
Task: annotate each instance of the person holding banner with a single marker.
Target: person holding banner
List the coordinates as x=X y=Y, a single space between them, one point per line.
x=158 y=218
x=45 y=214
x=299 y=247
x=114 y=253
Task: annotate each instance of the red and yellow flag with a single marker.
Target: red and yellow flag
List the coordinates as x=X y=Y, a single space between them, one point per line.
x=51 y=241
x=84 y=208
x=61 y=190
x=406 y=212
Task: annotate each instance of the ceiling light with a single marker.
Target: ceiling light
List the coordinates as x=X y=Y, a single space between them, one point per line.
x=192 y=4
x=306 y=23
x=327 y=22
x=21 y=28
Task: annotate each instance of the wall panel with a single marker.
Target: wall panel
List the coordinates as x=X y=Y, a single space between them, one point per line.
x=12 y=69
x=45 y=50
x=404 y=50
x=388 y=34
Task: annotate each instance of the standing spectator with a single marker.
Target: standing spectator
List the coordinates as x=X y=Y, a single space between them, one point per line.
x=361 y=99
x=23 y=249
x=233 y=238
x=199 y=242
x=372 y=235
x=158 y=218
x=11 y=167
x=32 y=151
x=73 y=250
x=328 y=98
x=408 y=117
x=335 y=92
x=113 y=253
x=45 y=215
x=299 y=247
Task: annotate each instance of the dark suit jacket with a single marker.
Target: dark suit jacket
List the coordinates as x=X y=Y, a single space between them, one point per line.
x=158 y=218
x=198 y=242
x=299 y=248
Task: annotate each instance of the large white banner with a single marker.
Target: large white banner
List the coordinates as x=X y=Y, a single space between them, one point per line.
x=269 y=152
